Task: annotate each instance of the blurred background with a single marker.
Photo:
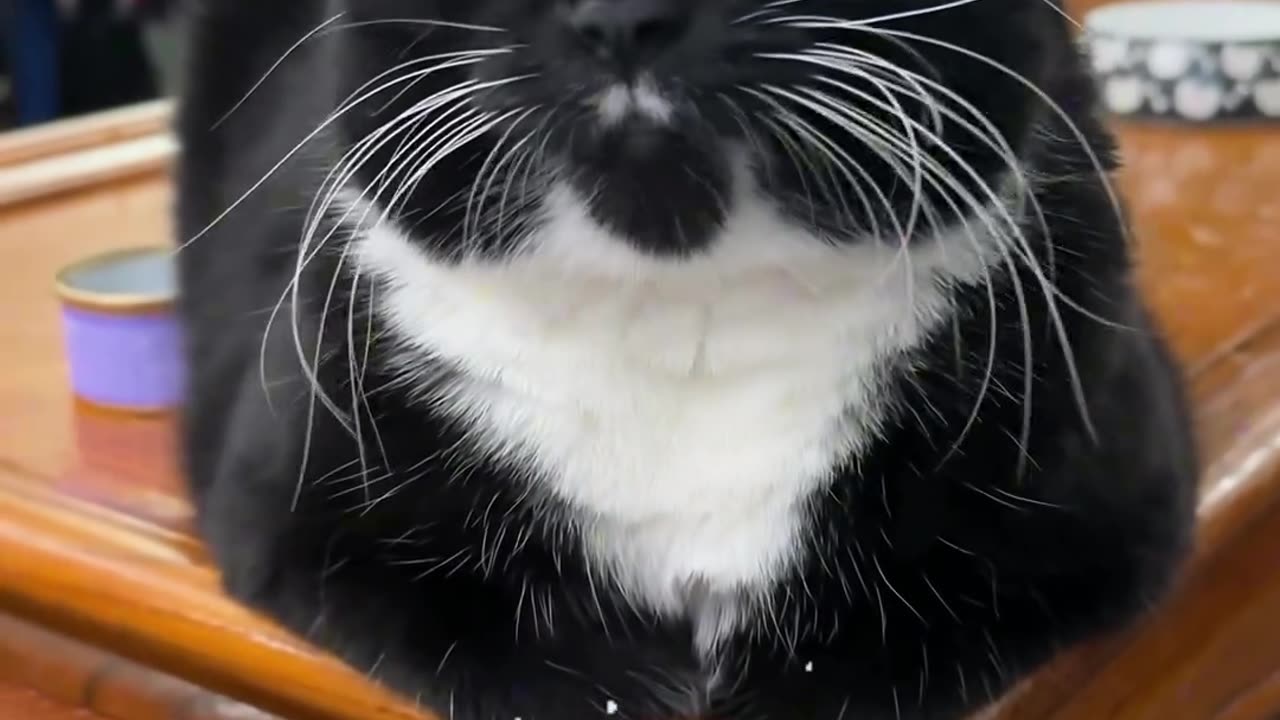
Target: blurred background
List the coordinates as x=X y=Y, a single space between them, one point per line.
x=63 y=58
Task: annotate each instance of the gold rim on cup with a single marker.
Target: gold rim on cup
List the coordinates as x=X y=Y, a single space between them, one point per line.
x=137 y=303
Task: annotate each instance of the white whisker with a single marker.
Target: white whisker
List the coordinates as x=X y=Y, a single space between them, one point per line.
x=1046 y=287
x=355 y=100
x=274 y=66
x=801 y=20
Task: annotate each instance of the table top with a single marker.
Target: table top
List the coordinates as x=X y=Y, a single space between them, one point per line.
x=95 y=532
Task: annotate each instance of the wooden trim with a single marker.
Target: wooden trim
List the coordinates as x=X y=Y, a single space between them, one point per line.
x=1236 y=400
x=1261 y=702
x=50 y=508
x=73 y=154
x=144 y=599
x=20 y=147
x=96 y=681
x=83 y=168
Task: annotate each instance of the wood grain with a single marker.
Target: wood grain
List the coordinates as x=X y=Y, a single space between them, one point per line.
x=84 y=168
x=85 y=151
x=73 y=679
x=144 y=598
x=102 y=129
x=95 y=535
x=19 y=702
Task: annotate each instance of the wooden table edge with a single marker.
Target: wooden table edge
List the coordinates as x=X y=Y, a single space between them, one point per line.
x=97 y=681
x=142 y=598
x=61 y=137
x=84 y=168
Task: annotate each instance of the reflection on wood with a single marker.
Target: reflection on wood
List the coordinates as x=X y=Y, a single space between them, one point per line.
x=82 y=133
x=57 y=678
x=142 y=595
x=1204 y=210
x=95 y=535
x=22 y=702
x=85 y=151
x=84 y=168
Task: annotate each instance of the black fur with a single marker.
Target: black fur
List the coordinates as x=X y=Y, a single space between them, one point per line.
x=949 y=561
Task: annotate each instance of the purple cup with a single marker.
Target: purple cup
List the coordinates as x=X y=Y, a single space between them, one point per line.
x=122 y=335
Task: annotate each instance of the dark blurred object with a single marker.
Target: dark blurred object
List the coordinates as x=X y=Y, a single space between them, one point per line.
x=104 y=59
x=136 y=8
x=31 y=37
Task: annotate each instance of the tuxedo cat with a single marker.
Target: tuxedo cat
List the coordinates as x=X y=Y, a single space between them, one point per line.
x=747 y=359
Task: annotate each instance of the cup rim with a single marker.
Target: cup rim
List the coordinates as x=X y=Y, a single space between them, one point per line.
x=131 y=303
x=1116 y=20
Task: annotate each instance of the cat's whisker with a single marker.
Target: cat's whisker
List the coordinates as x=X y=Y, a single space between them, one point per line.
x=437 y=150
x=1085 y=146
x=274 y=66
x=526 y=160
x=1057 y=9
x=803 y=164
x=902 y=255
x=336 y=181
x=478 y=57
x=494 y=164
x=858 y=132
x=765 y=10
x=988 y=134
x=428 y=22
x=1020 y=245
x=916 y=152
x=356 y=99
x=1011 y=227
x=420 y=111
x=1028 y=369
x=1006 y=234
x=422 y=143
x=891 y=154
x=409 y=120
x=991 y=137
x=804 y=20
x=932 y=173
x=833 y=154
x=344 y=170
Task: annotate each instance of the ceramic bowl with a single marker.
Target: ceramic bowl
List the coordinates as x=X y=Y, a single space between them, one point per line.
x=1188 y=60
x=121 y=329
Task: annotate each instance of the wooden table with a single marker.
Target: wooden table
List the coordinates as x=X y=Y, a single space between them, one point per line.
x=101 y=580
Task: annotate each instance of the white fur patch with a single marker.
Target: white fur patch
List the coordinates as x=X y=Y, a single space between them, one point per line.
x=684 y=410
x=643 y=97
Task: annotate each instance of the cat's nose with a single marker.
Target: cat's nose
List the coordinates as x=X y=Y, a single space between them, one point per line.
x=630 y=32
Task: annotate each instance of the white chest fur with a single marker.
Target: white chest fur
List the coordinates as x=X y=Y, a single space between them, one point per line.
x=683 y=410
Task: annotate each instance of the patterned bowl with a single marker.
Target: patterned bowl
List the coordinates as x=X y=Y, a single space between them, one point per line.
x=1188 y=60
x=122 y=334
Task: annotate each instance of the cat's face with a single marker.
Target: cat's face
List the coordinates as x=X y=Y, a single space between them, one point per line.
x=662 y=114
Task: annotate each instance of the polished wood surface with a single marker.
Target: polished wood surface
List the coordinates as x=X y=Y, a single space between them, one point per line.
x=84 y=151
x=19 y=702
x=52 y=676
x=95 y=535
x=42 y=142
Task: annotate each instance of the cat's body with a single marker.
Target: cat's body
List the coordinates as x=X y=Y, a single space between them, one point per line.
x=655 y=418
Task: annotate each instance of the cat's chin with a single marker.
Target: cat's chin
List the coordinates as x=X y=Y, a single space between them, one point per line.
x=665 y=192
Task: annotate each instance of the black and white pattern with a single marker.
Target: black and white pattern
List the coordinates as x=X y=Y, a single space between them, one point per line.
x=643 y=359
x=1188 y=80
